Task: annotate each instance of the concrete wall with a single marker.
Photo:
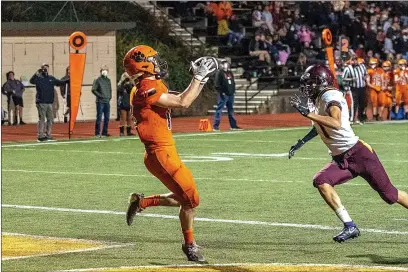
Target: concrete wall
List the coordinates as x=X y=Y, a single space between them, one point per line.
x=25 y=54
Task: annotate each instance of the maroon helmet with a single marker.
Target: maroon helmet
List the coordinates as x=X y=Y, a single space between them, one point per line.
x=315 y=79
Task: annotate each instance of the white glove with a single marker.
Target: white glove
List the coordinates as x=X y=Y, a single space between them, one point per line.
x=207 y=66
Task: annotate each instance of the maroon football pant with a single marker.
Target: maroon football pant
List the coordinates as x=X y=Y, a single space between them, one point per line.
x=360 y=160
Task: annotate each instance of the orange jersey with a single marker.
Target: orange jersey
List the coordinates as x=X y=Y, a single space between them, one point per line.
x=375 y=77
x=153 y=122
x=387 y=81
x=401 y=77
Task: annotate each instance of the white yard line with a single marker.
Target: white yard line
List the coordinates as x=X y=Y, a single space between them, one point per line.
x=143 y=176
x=400 y=219
x=202 y=134
x=65 y=252
x=106 y=245
x=231 y=221
x=394 y=268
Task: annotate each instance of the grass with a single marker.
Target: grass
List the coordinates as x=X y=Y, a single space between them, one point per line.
x=100 y=176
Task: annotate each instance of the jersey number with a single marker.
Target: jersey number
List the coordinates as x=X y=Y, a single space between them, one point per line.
x=168 y=118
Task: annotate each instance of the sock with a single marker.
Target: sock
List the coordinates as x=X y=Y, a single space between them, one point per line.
x=128 y=130
x=122 y=130
x=188 y=236
x=343 y=215
x=150 y=201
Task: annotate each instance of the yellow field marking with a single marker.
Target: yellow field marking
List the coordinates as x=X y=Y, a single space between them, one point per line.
x=250 y=269
x=20 y=246
x=246 y=267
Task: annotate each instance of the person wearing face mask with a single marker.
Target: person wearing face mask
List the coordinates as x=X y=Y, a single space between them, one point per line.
x=225 y=86
x=44 y=84
x=102 y=89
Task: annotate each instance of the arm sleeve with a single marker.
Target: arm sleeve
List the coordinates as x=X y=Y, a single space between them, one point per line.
x=346 y=73
x=33 y=79
x=95 y=88
x=310 y=135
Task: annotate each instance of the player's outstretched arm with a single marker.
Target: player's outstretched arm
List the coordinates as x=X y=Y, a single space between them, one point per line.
x=332 y=121
x=186 y=98
x=310 y=135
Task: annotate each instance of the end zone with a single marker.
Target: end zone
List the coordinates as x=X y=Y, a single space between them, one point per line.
x=21 y=246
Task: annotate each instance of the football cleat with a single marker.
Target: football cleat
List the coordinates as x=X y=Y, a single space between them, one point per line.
x=134 y=207
x=193 y=252
x=347 y=233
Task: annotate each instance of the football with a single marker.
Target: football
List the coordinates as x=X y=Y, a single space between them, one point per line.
x=216 y=63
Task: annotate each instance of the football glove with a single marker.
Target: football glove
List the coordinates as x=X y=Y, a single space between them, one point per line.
x=203 y=67
x=301 y=104
x=295 y=147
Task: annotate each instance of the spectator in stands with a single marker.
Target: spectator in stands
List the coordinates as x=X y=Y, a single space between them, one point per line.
x=66 y=93
x=404 y=47
x=102 y=89
x=44 y=84
x=237 y=30
x=309 y=52
x=305 y=35
x=301 y=64
x=257 y=19
x=125 y=89
x=224 y=10
x=14 y=90
x=360 y=52
x=258 y=47
x=267 y=18
x=225 y=86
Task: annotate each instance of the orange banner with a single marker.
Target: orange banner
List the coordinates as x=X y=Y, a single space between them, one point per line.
x=77 y=41
x=327 y=39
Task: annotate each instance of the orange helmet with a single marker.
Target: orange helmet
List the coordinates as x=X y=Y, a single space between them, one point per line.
x=402 y=62
x=144 y=59
x=386 y=65
x=373 y=61
x=360 y=60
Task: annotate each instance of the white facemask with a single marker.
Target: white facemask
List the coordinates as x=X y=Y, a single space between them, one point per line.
x=104 y=73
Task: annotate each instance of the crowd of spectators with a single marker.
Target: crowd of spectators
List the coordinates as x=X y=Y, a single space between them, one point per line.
x=288 y=32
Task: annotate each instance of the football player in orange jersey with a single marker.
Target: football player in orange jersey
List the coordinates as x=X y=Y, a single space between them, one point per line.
x=401 y=86
x=151 y=110
x=374 y=78
x=385 y=95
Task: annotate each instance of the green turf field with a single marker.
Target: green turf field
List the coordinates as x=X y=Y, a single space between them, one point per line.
x=276 y=215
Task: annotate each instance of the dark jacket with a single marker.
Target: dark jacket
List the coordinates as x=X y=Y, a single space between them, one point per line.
x=225 y=83
x=44 y=85
x=124 y=90
x=13 y=88
x=102 y=89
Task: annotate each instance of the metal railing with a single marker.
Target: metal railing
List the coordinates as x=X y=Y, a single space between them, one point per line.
x=168 y=16
x=260 y=76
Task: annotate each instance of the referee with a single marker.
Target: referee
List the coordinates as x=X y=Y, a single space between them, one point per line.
x=355 y=74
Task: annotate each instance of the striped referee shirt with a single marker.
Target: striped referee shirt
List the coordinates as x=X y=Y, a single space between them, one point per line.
x=359 y=72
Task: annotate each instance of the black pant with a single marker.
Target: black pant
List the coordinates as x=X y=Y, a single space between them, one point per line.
x=359 y=101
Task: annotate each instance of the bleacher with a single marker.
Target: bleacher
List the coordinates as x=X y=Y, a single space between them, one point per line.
x=252 y=76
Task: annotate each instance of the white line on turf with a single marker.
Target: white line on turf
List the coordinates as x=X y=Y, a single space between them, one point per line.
x=64 y=252
x=203 y=134
x=141 y=175
x=400 y=219
x=150 y=176
x=393 y=268
x=107 y=245
x=231 y=221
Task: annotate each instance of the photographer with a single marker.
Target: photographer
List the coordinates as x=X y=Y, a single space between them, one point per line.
x=125 y=88
x=14 y=90
x=44 y=84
